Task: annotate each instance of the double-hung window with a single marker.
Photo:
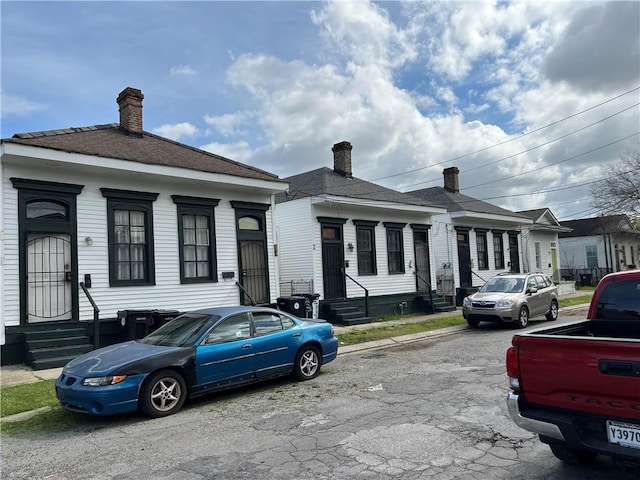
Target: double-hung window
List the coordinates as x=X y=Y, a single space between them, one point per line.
x=366 y=240
x=196 y=239
x=483 y=254
x=395 y=247
x=130 y=236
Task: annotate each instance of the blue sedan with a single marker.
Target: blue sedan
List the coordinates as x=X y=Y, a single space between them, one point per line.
x=196 y=353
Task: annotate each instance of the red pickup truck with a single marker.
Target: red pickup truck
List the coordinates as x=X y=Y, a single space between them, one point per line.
x=577 y=385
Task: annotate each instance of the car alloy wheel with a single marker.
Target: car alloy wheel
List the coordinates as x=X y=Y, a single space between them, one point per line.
x=307 y=364
x=523 y=317
x=162 y=394
x=552 y=315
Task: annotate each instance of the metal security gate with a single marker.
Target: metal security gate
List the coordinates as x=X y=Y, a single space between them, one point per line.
x=49 y=278
x=423 y=268
x=254 y=271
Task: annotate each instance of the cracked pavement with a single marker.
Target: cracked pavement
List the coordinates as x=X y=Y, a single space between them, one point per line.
x=433 y=409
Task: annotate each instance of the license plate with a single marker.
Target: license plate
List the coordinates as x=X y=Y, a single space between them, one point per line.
x=623 y=434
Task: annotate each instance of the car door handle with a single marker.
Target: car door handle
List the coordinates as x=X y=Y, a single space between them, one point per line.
x=296 y=334
x=246 y=345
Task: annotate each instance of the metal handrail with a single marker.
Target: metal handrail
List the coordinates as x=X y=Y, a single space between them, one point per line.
x=483 y=280
x=433 y=308
x=253 y=302
x=96 y=317
x=366 y=292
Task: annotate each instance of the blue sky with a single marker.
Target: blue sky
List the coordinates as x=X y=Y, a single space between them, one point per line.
x=415 y=86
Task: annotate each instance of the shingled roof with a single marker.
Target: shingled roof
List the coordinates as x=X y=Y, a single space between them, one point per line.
x=458 y=202
x=127 y=141
x=588 y=227
x=325 y=181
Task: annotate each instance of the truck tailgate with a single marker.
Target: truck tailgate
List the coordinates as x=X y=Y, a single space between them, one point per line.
x=598 y=376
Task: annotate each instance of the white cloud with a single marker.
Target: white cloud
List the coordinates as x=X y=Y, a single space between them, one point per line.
x=18 y=106
x=239 y=151
x=185 y=70
x=176 y=131
x=229 y=124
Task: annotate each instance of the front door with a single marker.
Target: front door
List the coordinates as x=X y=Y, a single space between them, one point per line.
x=333 y=261
x=554 y=262
x=254 y=271
x=49 y=278
x=514 y=253
x=253 y=260
x=464 y=258
x=423 y=267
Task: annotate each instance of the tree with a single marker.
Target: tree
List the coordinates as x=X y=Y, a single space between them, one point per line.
x=619 y=190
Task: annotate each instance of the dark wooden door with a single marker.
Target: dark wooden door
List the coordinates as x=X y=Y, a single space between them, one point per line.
x=514 y=253
x=464 y=258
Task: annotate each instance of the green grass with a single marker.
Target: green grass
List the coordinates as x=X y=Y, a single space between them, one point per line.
x=23 y=398
x=388 y=331
x=571 y=301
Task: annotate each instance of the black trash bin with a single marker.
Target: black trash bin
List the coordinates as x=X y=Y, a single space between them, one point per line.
x=293 y=305
x=160 y=317
x=134 y=323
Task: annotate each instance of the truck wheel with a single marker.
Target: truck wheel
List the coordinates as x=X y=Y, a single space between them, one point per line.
x=162 y=394
x=523 y=318
x=552 y=314
x=572 y=456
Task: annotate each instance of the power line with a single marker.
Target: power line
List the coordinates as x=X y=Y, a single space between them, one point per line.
x=511 y=139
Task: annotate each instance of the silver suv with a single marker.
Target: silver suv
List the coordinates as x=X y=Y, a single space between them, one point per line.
x=512 y=298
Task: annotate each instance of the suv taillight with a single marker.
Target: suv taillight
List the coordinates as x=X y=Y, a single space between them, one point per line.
x=513 y=368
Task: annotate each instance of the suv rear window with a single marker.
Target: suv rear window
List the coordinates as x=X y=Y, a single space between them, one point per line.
x=619 y=301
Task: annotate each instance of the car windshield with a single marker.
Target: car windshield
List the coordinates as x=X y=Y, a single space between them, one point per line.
x=182 y=331
x=504 y=285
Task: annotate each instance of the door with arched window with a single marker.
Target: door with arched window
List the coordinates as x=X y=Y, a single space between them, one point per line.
x=252 y=258
x=48 y=253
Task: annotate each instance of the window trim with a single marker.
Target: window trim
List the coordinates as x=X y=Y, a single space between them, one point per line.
x=202 y=207
x=367 y=225
x=498 y=254
x=483 y=253
x=131 y=201
x=394 y=227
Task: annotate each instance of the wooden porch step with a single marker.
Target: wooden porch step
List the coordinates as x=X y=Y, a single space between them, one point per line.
x=71 y=331
x=58 y=342
x=60 y=351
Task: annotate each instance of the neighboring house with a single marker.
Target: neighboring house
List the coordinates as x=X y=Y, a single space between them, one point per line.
x=540 y=246
x=141 y=221
x=348 y=239
x=473 y=240
x=599 y=245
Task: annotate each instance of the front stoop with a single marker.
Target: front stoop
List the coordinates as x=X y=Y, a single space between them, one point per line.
x=54 y=346
x=345 y=313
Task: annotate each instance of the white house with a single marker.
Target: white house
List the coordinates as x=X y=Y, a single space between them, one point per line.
x=473 y=240
x=540 y=243
x=599 y=245
x=139 y=221
x=364 y=249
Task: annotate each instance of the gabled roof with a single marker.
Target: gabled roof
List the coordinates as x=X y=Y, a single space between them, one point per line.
x=325 y=181
x=587 y=227
x=110 y=141
x=544 y=219
x=458 y=202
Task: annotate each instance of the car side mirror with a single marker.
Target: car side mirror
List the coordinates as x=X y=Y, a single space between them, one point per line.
x=532 y=290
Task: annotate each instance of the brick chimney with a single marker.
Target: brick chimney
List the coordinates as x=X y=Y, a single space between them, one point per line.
x=130 y=103
x=451 y=179
x=342 y=159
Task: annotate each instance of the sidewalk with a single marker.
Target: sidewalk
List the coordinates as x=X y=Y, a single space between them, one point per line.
x=11 y=375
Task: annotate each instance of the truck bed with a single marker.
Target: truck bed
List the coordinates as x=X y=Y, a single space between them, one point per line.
x=562 y=374
x=610 y=329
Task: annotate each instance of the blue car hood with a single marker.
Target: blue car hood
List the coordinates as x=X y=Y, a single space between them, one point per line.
x=107 y=360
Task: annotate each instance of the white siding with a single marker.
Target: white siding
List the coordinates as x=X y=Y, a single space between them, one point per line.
x=168 y=293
